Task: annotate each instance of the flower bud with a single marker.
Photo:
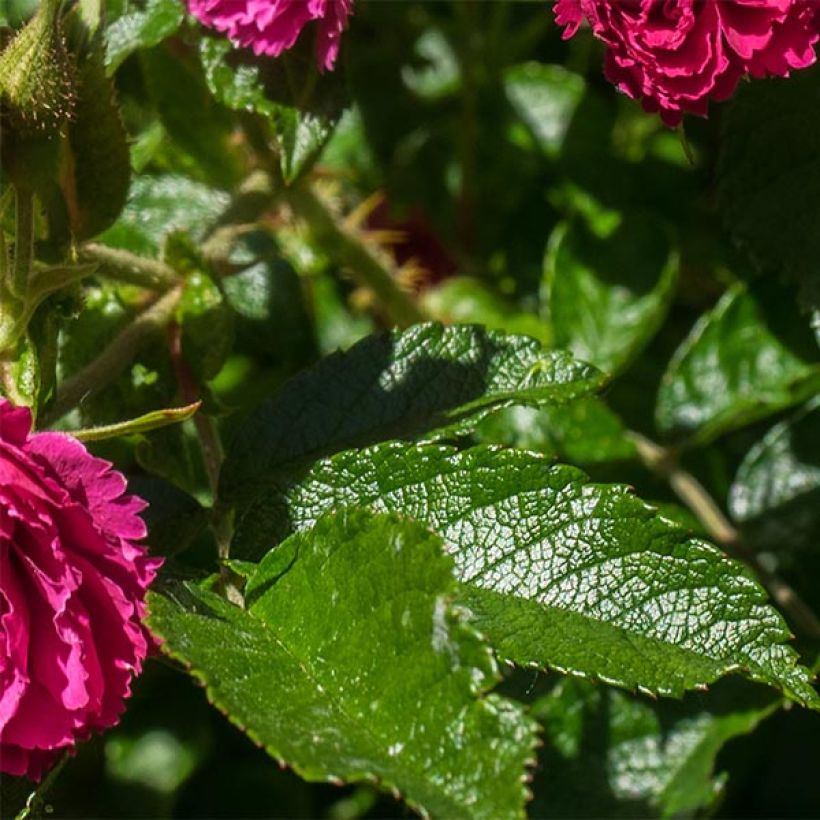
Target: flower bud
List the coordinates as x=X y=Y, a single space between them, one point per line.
x=37 y=75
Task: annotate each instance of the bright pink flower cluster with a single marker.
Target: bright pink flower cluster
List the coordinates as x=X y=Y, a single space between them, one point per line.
x=72 y=588
x=273 y=26
x=676 y=55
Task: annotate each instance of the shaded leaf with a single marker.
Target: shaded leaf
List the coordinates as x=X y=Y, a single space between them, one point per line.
x=188 y=113
x=400 y=384
x=158 y=205
x=747 y=358
x=174 y=518
x=770 y=194
x=606 y=296
x=609 y=754
x=776 y=492
x=584 y=431
x=266 y=298
x=207 y=326
x=394 y=692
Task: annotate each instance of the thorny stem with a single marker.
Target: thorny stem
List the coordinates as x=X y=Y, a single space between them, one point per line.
x=694 y=495
x=345 y=246
x=116 y=357
x=267 y=187
x=129 y=268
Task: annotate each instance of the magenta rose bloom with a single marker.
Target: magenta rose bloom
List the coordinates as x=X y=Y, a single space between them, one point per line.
x=72 y=587
x=273 y=26
x=675 y=56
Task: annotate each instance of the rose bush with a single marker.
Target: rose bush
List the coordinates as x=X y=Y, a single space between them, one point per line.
x=72 y=587
x=675 y=57
x=273 y=27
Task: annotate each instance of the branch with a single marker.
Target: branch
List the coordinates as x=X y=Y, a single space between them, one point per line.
x=343 y=245
x=695 y=496
x=129 y=268
x=115 y=358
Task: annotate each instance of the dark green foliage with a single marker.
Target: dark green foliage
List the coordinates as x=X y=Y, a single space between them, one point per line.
x=383 y=560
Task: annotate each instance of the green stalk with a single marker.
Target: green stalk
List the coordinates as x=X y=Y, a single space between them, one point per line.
x=23 y=242
x=342 y=245
x=115 y=358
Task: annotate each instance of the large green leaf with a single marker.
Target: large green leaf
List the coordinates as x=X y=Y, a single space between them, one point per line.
x=769 y=173
x=558 y=572
x=398 y=385
x=349 y=663
x=747 y=358
x=606 y=296
x=610 y=754
x=776 y=492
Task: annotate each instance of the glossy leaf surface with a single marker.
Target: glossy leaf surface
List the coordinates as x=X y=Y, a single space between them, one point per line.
x=391 y=689
x=558 y=572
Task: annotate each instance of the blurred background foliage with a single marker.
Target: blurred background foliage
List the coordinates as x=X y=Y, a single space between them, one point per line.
x=489 y=168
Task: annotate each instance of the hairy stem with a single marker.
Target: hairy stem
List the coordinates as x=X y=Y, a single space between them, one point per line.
x=116 y=357
x=123 y=266
x=23 y=241
x=695 y=496
x=345 y=246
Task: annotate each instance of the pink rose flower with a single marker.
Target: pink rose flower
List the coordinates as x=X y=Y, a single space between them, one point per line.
x=72 y=587
x=273 y=26
x=676 y=55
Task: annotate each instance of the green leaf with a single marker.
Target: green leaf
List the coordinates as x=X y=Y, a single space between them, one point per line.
x=606 y=296
x=462 y=299
x=776 y=492
x=142 y=29
x=393 y=691
x=558 y=572
x=143 y=424
x=747 y=358
x=207 y=326
x=268 y=303
x=188 y=112
x=584 y=431
x=770 y=196
x=158 y=205
x=546 y=98
x=399 y=384
x=302 y=112
x=609 y=754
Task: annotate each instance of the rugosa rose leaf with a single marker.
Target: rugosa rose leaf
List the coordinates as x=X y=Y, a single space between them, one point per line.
x=72 y=586
x=676 y=56
x=272 y=26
